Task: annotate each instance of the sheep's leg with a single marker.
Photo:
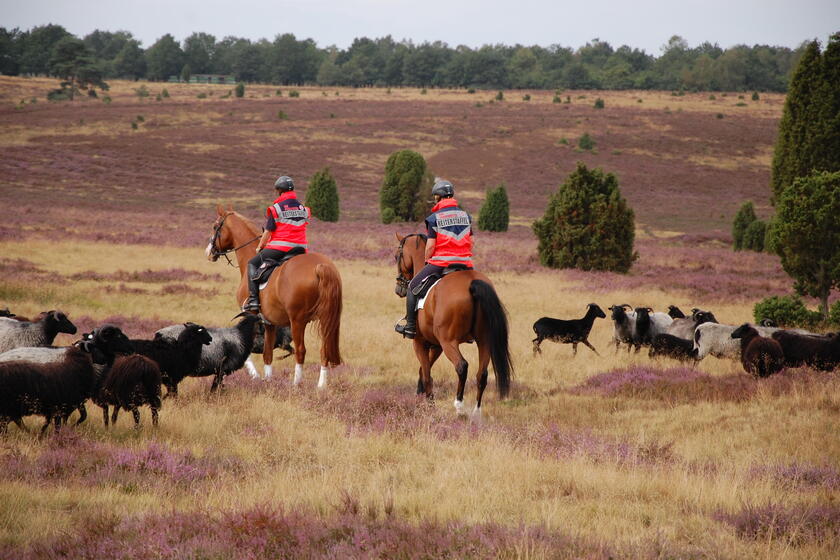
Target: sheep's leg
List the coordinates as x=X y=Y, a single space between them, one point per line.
x=217 y=381
x=154 y=416
x=46 y=425
x=82 y=414
x=19 y=423
x=574 y=348
x=105 y=414
x=590 y=347
x=114 y=415
x=537 y=341
x=136 y=413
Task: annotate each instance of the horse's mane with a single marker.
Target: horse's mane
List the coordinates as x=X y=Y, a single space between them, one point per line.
x=248 y=223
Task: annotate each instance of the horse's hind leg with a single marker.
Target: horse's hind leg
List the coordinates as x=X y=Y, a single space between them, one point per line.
x=481 y=378
x=454 y=355
x=434 y=353
x=298 y=331
x=424 y=383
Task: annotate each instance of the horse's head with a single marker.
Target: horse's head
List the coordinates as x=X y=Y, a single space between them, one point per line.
x=408 y=256
x=222 y=240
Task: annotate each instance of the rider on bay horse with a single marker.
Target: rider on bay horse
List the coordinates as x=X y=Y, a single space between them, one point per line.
x=450 y=243
x=285 y=230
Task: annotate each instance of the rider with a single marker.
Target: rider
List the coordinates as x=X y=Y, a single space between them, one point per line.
x=285 y=229
x=450 y=242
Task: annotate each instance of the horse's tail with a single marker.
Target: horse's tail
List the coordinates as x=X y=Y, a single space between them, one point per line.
x=496 y=336
x=328 y=310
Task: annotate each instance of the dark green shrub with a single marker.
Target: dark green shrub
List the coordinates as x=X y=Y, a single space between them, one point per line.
x=106 y=99
x=133 y=125
x=500 y=96
x=834 y=313
x=158 y=98
x=294 y=93
x=712 y=97
x=141 y=118
x=786 y=312
x=322 y=196
x=282 y=115
x=740 y=104
x=744 y=217
x=586 y=142
x=164 y=93
x=202 y=95
x=239 y=90
x=495 y=212
x=755 y=96
x=471 y=90
x=526 y=97
x=423 y=91
x=754 y=236
x=388 y=216
x=59 y=95
x=142 y=91
x=556 y=99
x=587 y=224
x=406 y=187
x=719 y=116
x=599 y=103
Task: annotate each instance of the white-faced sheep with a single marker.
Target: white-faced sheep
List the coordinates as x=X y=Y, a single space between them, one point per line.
x=54 y=390
x=228 y=352
x=175 y=359
x=16 y=334
x=624 y=325
x=759 y=355
x=131 y=382
x=572 y=331
x=715 y=339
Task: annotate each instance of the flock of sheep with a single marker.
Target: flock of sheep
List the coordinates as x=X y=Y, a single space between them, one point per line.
x=111 y=369
x=763 y=349
x=121 y=373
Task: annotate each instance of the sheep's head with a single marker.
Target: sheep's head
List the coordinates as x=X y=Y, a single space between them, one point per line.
x=111 y=339
x=61 y=322
x=619 y=312
x=594 y=307
x=198 y=332
x=744 y=331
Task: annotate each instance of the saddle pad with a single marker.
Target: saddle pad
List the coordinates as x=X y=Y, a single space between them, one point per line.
x=422 y=301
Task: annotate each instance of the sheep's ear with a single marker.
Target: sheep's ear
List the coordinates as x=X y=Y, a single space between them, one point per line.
x=626 y=305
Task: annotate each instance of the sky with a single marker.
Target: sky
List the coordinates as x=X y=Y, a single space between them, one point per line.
x=642 y=24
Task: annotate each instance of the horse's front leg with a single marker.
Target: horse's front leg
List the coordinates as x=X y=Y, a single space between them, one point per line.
x=298 y=329
x=268 y=350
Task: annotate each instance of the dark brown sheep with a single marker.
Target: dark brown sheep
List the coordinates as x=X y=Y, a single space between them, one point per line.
x=759 y=355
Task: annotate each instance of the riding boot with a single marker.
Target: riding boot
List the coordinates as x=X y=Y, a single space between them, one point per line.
x=253 y=303
x=409 y=329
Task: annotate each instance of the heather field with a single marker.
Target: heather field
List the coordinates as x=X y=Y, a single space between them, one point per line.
x=606 y=456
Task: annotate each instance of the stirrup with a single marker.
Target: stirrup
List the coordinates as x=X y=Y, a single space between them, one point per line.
x=252 y=305
x=408 y=331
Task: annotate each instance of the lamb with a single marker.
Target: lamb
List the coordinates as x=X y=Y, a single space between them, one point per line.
x=175 y=359
x=569 y=331
x=821 y=352
x=54 y=390
x=648 y=325
x=131 y=382
x=759 y=355
x=228 y=352
x=672 y=346
x=684 y=327
x=624 y=325
x=15 y=334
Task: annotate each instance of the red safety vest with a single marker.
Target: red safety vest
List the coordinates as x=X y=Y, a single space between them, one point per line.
x=453 y=234
x=291 y=218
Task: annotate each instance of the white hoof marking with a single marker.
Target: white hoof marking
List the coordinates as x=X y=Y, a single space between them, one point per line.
x=298 y=374
x=476 y=416
x=322 y=380
x=267 y=371
x=459 y=408
x=252 y=370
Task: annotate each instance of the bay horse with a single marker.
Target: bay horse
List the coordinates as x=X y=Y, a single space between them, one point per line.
x=463 y=307
x=305 y=288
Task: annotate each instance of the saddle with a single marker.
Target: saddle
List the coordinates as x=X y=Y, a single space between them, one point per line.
x=269 y=265
x=422 y=289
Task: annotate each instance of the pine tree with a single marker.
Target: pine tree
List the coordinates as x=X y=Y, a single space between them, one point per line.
x=587 y=224
x=809 y=131
x=495 y=212
x=743 y=219
x=322 y=196
x=401 y=197
x=806 y=234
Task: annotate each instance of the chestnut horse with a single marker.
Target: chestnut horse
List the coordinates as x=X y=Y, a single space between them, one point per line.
x=305 y=288
x=463 y=307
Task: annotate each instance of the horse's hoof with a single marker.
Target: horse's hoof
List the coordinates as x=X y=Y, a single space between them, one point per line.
x=476 y=417
x=459 y=408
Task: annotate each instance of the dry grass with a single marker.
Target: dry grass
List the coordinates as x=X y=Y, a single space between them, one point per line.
x=275 y=445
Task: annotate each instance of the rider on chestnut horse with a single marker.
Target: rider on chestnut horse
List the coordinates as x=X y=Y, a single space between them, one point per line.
x=285 y=230
x=450 y=243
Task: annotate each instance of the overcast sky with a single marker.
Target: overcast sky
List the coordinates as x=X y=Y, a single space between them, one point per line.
x=644 y=24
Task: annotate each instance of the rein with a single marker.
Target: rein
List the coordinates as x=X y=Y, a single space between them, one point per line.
x=217 y=231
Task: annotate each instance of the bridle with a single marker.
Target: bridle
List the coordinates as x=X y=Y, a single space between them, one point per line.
x=402 y=279
x=217 y=232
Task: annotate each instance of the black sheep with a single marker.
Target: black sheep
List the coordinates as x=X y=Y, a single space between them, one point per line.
x=54 y=390
x=673 y=347
x=175 y=359
x=821 y=352
x=675 y=312
x=132 y=381
x=759 y=355
x=572 y=331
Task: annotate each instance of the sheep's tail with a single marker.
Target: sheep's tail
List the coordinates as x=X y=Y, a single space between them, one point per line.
x=328 y=312
x=496 y=332
x=149 y=374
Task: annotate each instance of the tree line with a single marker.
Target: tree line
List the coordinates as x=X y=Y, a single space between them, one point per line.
x=385 y=62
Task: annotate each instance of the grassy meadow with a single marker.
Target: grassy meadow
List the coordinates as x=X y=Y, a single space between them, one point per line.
x=592 y=456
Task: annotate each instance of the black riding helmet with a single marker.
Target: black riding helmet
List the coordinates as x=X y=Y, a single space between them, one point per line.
x=443 y=189
x=284 y=183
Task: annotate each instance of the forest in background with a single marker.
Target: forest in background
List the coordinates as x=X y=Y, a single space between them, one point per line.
x=386 y=62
